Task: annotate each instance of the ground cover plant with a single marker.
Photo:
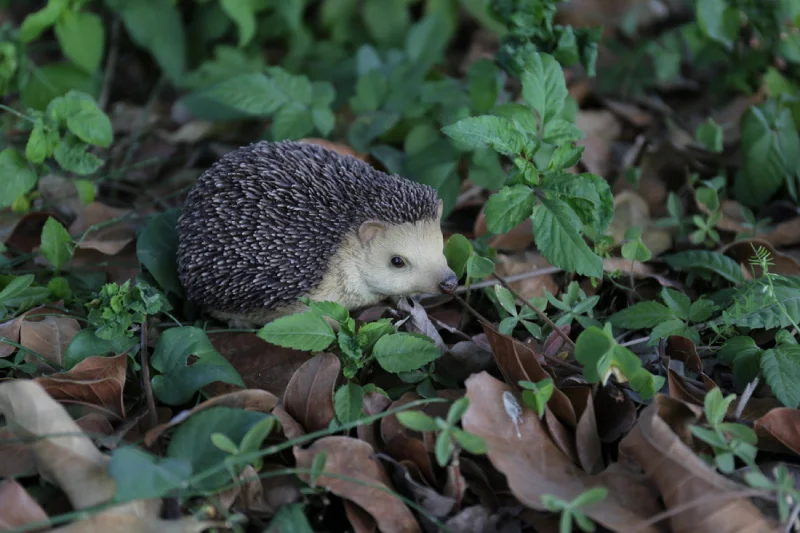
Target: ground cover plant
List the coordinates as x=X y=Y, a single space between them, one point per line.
x=620 y=186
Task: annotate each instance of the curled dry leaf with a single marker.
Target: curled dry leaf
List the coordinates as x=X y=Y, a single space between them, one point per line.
x=290 y=427
x=26 y=233
x=11 y=330
x=518 y=363
x=361 y=521
x=374 y=403
x=112 y=236
x=780 y=425
x=70 y=459
x=534 y=466
x=615 y=412
x=48 y=336
x=683 y=390
x=17 y=508
x=587 y=441
x=249 y=400
x=309 y=394
x=420 y=323
x=124 y=267
x=684 y=350
x=120 y=521
x=784 y=234
x=261 y=365
x=707 y=500
x=353 y=473
x=404 y=444
x=96 y=382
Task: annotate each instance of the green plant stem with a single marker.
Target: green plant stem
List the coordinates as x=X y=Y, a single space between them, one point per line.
x=152 y=414
x=510 y=279
x=540 y=313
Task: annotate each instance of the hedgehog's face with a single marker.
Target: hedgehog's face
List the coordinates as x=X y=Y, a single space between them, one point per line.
x=405 y=259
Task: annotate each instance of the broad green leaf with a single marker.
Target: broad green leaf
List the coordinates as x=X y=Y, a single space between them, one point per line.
x=701 y=310
x=479 y=267
x=16 y=286
x=290 y=517
x=368 y=127
x=324 y=120
x=486 y=170
x=56 y=244
x=709 y=134
x=387 y=21
x=770 y=152
x=508 y=207
x=221 y=441
x=673 y=327
x=458 y=250
x=708 y=260
x=756 y=308
x=91 y=125
x=82 y=37
x=37 y=149
x=242 y=12
x=471 y=443
x=427 y=39
x=157 y=248
x=348 y=402
x=500 y=133
x=556 y=230
x=191 y=441
x=252 y=94
x=334 y=310
x=559 y=131
x=178 y=380
x=678 y=302
x=789 y=47
x=543 y=85
x=718 y=21
x=417 y=420
x=781 y=367
x=636 y=250
x=16 y=176
x=86 y=344
x=306 y=331
x=641 y=315
x=403 y=352
x=484 y=85
x=371 y=89
x=589 y=196
x=292 y=121
x=35 y=23
x=73 y=156
x=141 y=476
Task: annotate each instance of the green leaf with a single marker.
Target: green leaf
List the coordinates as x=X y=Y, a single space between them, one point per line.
x=56 y=244
x=387 y=21
x=252 y=94
x=500 y=133
x=54 y=80
x=73 y=156
x=558 y=239
x=192 y=441
x=641 y=315
x=292 y=121
x=427 y=40
x=255 y=436
x=781 y=367
x=743 y=354
x=403 y=352
x=479 y=267
x=443 y=448
x=333 y=310
x=472 y=443
x=290 y=517
x=368 y=127
x=157 y=247
x=636 y=250
x=179 y=380
x=16 y=176
x=348 y=402
x=770 y=152
x=708 y=260
x=86 y=344
x=506 y=299
x=543 y=85
x=82 y=37
x=140 y=476
x=371 y=90
x=508 y=207
x=670 y=328
x=756 y=308
x=458 y=250
x=90 y=124
x=317 y=467
x=306 y=331
x=483 y=84
x=224 y=443
x=718 y=21
x=701 y=310
x=37 y=149
x=417 y=420
x=242 y=12
x=677 y=301
x=35 y=23
x=709 y=134
x=587 y=194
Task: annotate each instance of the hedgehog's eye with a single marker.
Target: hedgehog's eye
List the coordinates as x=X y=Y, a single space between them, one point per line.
x=398 y=262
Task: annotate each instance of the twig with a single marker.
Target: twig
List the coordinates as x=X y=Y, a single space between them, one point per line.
x=510 y=279
x=635 y=341
x=111 y=65
x=748 y=392
x=152 y=416
x=537 y=311
x=793 y=518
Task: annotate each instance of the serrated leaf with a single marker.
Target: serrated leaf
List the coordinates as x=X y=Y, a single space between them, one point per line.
x=178 y=380
x=91 y=125
x=334 y=310
x=73 y=156
x=781 y=367
x=292 y=121
x=16 y=176
x=701 y=310
x=56 y=244
x=589 y=196
x=306 y=331
x=508 y=207
x=403 y=352
x=556 y=235
x=543 y=85
x=348 y=402
x=252 y=94
x=642 y=315
x=670 y=328
x=755 y=307
x=500 y=133
x=708 y=260
x=677 y=301
x=82 y=37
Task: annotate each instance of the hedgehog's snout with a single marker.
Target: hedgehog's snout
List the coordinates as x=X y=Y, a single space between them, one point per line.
x=449 y=283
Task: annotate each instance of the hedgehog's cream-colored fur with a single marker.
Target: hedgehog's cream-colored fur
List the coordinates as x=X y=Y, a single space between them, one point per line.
x=361 y=274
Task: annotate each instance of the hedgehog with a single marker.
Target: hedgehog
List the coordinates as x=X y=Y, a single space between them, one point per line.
x=271 y=222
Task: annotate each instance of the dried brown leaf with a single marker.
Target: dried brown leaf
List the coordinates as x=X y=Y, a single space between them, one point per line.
x=309 y=394
x=601 y=128
x=683 y=478
x=48 y=336
x=587 y=439
x=17 y=508
x=374 y=403
x=405 y=444
x=361 y=479
x=631 y=210
x=249 y=400
x=291 y=428
x=111 y=237
x=534 y=286
x=96 y=382
x=780 y=425
x=534 y=466
x=361 y=521
x=683 y=349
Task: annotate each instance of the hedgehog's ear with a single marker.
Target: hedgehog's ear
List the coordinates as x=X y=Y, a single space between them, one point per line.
x=369 y=230
x=439 y=208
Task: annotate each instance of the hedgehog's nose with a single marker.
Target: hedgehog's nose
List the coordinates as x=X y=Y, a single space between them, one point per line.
x=449 y=283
